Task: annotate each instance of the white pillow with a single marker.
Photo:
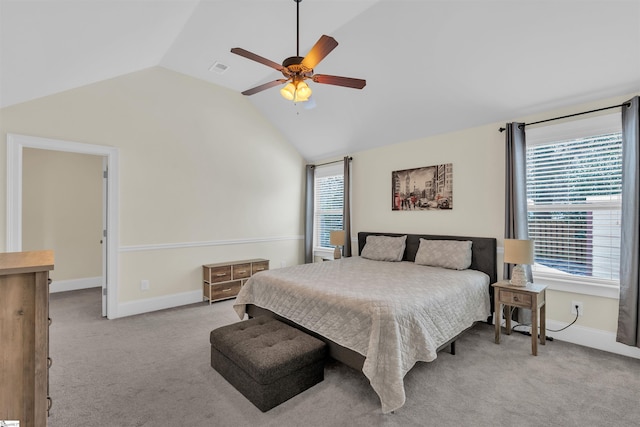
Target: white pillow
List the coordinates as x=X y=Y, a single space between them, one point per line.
x=384 y=248
x=453 y=254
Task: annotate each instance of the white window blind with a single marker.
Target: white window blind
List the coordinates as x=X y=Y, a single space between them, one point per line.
x=574 y=198
x=329 y=198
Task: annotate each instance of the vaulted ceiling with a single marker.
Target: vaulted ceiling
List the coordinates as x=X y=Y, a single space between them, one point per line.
x=431 y=66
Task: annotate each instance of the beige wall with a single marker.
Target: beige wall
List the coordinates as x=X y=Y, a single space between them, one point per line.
x=203 y=176
x=478 y=186
x=478 y=172
x=62 y=210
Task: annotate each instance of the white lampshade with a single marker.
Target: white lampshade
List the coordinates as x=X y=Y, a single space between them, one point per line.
x=296 y=91
x=303 y=91
x=518 y=251
x=288 y=92
x=337 y=238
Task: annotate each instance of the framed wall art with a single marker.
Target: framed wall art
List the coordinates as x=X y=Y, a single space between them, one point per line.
x=421 y=189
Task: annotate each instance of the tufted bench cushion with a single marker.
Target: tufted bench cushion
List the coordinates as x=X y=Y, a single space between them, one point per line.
x=266 y=360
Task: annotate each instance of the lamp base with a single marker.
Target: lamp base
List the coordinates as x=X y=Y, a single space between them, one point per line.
x=518 y=276
x=336 y=253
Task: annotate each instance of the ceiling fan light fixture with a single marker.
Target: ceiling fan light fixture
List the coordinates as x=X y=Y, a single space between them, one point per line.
x=303 y=91
x=288 y=92
x=296 y=91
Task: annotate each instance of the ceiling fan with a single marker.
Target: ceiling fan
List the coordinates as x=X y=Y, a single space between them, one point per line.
x=297 y=69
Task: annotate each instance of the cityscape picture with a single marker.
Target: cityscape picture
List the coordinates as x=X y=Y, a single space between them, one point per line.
x=426 y=188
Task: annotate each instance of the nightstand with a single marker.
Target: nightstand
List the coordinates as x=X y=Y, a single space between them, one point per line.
x=532 y=297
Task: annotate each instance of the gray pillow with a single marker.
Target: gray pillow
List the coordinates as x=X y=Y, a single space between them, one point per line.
x=453 y=254
x=384 y=248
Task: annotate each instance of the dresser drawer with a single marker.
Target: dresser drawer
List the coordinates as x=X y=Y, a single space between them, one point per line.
x=260 y=266
x=217 y=274
x=241 y=271
x=514 y=298
x=222 y=290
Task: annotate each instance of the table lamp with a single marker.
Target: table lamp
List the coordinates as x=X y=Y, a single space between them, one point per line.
x=519 y=252
x=336 y=238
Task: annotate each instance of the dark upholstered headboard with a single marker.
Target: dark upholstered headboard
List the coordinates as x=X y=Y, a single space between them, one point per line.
x=483 y=254
x=483 y=249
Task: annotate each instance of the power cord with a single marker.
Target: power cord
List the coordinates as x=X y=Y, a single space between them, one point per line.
x=574 y=320
x=513 y=328
x=548 y=330
x=527 y=333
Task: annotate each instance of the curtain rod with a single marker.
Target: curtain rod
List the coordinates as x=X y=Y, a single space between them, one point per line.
x=573 y=115
x=330 y=163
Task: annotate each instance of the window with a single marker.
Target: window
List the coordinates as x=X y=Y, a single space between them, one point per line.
x=329 y=197
x=574 y=176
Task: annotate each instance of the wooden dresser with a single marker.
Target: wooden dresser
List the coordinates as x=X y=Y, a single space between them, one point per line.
x=224 y=280
x=24 y=337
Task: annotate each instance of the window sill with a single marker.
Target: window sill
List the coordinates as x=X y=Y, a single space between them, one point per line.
x=577 y=287
x=323 y=253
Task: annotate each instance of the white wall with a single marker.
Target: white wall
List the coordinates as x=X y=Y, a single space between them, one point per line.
x=203 y=177
x=478 y=159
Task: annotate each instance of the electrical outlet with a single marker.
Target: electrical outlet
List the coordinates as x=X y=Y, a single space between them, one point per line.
x=144 y=285
x=580 y=308
x=283 y=264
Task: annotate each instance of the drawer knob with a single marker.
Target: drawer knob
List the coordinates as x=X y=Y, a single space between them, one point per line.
x=515 y=298
x=221 y=274
x=242 y=271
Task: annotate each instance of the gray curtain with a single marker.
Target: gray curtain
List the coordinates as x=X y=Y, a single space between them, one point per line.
x=515 y=223
x=629 y=311
x=346 y=210
x=308 y=215
x=515 y=214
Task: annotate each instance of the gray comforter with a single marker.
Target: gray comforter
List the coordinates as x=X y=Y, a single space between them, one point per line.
x=393 y=313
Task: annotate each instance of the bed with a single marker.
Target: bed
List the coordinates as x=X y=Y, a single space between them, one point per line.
x=377 y=316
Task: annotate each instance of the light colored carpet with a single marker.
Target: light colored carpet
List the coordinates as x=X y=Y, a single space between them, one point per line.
x=154 y=370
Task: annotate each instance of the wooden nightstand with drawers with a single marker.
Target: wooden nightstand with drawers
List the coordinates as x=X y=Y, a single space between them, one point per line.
x=532 y=297
x=224 y=280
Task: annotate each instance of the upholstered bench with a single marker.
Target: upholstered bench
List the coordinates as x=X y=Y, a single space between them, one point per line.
x=266 y=360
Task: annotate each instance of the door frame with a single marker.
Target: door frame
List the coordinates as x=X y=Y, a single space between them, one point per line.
x=15 y=145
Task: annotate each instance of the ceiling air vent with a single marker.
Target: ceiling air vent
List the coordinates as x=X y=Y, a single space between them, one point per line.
x=219 y=67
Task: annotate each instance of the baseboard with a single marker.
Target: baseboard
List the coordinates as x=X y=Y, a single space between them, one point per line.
x=158 y=303
x=589 y=337
x=75 y=284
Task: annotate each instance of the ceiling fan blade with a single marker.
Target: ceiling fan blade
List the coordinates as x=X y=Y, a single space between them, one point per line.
x=339 y=81
x=322 y=48
x=257 y=58
x=264 y=86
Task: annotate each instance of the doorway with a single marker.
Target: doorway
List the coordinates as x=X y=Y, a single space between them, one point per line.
x=15 y=149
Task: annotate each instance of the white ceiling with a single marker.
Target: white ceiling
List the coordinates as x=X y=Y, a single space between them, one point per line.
x=431 y=66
